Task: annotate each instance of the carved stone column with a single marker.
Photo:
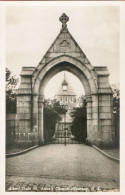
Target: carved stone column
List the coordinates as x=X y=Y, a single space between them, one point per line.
x=41 y=119
x=89 y=118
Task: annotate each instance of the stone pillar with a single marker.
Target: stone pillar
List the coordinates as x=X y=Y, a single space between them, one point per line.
x=105 y=108
x=89 y=119
x=106 y=119
x=41 y=119
x=35 y=119
x=95 y=120
x=23 y=127
x=35 y=111
x=23 y=120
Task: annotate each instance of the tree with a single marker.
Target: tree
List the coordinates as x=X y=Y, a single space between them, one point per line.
x=116 y=110
x=79 y=129
x=11 y=83
x=55 y=104
x=52 y=114
x=116 y=98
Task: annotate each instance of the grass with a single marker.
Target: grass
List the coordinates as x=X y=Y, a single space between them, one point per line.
x=114 y=153
x=13 y=148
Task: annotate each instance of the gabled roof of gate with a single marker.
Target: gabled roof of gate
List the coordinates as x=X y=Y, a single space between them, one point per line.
x=65 y=48
x=64 y=44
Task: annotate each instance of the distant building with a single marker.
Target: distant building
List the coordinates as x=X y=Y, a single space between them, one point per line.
x=67 y=98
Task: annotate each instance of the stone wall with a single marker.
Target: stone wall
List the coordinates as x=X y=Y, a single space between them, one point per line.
x=10 y=128
x=26 y=130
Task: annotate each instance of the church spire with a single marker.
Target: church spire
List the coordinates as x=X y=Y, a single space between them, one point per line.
x=65 y=87
x=64 y=83
x=64 y=75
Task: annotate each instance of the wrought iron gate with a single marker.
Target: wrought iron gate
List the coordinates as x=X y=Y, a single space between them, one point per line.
x=63 y=136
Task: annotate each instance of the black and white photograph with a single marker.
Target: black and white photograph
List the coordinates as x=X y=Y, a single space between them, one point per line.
x=62 y=98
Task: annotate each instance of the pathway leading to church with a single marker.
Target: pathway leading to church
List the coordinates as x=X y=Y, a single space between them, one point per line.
x=78 y=163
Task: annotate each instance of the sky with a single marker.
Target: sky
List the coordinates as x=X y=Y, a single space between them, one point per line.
x=74 y=82
x=30 y=30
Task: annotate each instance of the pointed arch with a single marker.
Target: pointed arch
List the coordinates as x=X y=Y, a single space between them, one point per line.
x=65 y=62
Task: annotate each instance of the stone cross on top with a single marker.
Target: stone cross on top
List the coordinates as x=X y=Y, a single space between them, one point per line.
x=64 y=19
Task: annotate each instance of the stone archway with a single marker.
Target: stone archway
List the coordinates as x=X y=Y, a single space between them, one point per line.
x=53 y=67
x=65 y=54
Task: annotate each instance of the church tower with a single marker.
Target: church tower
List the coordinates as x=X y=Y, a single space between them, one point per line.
x=65 y=94
x=67 y=98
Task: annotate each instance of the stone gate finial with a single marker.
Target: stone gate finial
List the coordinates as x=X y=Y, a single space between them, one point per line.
x=64 y=19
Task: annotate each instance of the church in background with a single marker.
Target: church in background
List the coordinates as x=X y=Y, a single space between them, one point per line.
x=67 y=98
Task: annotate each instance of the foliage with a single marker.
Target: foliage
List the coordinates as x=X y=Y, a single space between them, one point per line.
x=116 y=99
x=55 y=104
x=79 y=129
x=116 y=111
x=52 y=114
x=11 y=83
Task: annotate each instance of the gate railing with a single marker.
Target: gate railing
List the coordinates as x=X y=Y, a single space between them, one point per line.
x=20 y=139
x=63 y=137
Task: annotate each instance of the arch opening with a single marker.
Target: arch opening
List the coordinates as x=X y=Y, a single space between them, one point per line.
x=72 y=99
x=54 y=83
x=53 y=70
x=44 y=77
